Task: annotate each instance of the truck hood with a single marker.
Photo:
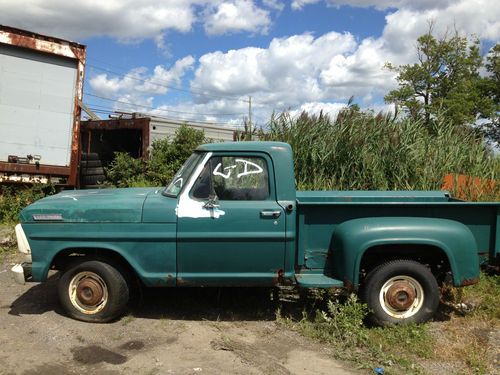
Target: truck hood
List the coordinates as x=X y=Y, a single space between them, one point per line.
x=99 y=205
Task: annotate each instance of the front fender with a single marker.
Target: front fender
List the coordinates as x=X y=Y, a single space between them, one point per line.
x=353 y=238
x=150 y=248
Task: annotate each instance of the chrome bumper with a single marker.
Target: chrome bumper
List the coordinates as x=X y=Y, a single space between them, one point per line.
x=22 y=271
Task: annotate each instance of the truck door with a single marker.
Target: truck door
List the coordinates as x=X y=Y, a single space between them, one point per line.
x=231 y=230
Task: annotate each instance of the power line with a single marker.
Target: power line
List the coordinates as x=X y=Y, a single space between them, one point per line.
x=164 y=109
x=166 y=85
x=110 y=111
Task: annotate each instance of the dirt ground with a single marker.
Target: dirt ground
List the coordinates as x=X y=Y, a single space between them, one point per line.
x=168 y=331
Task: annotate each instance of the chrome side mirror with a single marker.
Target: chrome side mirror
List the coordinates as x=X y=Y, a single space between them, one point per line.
x=212 y=202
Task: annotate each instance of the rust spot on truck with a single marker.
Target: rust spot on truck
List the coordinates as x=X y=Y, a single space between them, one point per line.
x=279 y=279
x=467 y=282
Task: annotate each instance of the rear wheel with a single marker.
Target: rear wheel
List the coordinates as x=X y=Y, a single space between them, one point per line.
x=93 y=291
x=401 y=291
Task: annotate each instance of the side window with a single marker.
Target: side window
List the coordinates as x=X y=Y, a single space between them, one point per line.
x=233 y=178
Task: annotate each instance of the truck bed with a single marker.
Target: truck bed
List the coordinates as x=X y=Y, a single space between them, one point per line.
x=320 y=212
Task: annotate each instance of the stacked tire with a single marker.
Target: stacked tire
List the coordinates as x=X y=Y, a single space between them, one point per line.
x=91 y=171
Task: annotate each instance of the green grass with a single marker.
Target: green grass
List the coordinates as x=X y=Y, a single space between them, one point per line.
x=484 y=297
x=459 y=339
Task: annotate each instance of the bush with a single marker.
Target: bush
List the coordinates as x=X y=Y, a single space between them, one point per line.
x=167 y=156
x=13 y=199
x=124 y=170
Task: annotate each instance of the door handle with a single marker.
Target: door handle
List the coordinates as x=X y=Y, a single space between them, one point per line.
x=274 y=214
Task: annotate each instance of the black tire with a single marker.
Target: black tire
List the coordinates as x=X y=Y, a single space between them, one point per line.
x=90 y=164
x=90 y=156
x=92 y=180
x=92 y=171
x=93 y=291
x=400 y=291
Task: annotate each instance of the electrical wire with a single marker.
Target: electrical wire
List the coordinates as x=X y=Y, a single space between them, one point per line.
x=163 y=109
x=166 y=85
x=110 y=111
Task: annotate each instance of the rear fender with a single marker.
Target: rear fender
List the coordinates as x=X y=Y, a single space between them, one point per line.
x=353 y=238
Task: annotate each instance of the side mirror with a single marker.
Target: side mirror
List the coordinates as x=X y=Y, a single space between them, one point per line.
x=212 y=202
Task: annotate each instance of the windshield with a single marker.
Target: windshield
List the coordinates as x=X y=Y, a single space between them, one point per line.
x=182 y=175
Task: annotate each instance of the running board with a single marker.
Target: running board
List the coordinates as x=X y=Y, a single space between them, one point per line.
x=317 y=280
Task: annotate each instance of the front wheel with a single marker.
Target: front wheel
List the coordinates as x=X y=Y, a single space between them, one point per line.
x=93 y=291
x=401 y=291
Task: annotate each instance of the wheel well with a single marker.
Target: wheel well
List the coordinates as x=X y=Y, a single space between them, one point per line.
x=67 y=257
x=431 y=256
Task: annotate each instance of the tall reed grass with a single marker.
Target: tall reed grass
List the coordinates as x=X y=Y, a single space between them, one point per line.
x=363 y=151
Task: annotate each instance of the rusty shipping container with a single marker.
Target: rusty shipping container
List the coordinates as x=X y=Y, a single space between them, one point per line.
x=41 y=88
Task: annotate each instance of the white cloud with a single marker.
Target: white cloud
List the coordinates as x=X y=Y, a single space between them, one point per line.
x=299 y=4
x=315 y=108
x=120 y=19
x=236 y=16
x=286 y=73
x=134 y=20
x=138 y=85
x=274 y=4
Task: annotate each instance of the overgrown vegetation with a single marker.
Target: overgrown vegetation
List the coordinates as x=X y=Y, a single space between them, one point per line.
x=460 y=341
x=341 y=325
x=365 y=151
x=13 y=199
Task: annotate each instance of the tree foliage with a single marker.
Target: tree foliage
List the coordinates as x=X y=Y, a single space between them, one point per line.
x=445 y=80
x=491 y=89
x=167 y=156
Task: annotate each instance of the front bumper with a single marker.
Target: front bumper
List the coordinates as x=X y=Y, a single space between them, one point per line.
x=22 y=271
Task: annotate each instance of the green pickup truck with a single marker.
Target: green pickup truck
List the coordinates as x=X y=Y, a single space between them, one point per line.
x=232 y=217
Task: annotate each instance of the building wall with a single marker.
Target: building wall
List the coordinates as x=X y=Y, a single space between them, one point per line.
x=162 y=128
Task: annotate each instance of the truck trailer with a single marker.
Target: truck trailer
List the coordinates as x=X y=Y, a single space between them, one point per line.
x=41 y=88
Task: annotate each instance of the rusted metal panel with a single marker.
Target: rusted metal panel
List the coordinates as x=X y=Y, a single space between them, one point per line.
x=33 y=168
x=52 y=46
x=43 y=43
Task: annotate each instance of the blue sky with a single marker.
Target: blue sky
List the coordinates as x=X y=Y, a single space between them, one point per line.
x=202 y=59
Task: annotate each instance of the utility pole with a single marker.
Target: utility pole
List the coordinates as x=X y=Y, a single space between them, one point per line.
x=249 y=118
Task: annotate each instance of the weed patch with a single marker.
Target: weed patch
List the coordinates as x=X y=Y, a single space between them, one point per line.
x=14 y=199
x=463 y=342
x=342 y=326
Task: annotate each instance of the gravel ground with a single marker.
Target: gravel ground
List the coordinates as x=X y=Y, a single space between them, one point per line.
x=168 y=331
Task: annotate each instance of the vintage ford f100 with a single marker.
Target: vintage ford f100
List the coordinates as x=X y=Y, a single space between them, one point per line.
x=231 y=217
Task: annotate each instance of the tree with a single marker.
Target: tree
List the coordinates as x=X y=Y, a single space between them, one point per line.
x=491 y=89
x=444 y=80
